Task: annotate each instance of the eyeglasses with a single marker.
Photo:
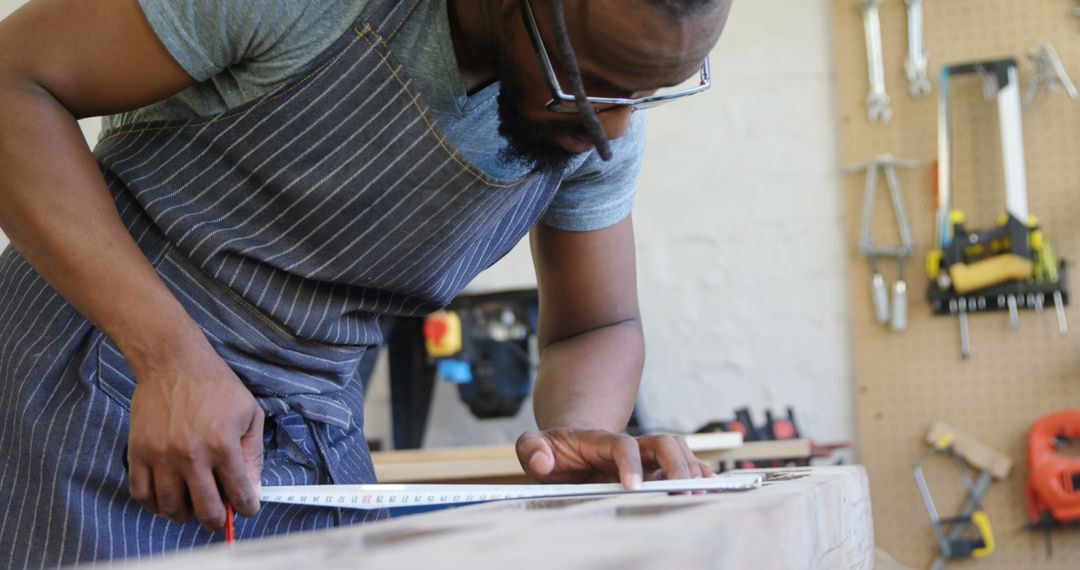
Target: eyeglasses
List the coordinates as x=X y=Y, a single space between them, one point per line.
x=565 y=103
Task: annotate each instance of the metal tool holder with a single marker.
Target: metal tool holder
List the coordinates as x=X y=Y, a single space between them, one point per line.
x=967 y=535
x=915 y=65
x=877 y=99
x=1012 y=266
x=895 y=313
x=1050 y=73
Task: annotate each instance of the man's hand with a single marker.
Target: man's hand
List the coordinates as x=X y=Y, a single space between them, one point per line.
x=194 y=426
x=596 y=456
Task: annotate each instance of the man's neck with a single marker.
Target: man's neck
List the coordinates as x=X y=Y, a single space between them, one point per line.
x=471 y=28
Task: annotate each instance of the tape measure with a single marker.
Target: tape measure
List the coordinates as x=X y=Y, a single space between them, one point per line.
x=395 y=495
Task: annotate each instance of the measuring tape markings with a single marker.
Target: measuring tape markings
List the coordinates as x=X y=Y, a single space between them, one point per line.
x=399 y=495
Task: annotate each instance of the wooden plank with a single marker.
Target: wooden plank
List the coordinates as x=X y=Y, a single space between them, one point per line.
x=713 y=441
x=433 y=471
x=500 y=462
x=821 y=519
x=760 y=450
x=696 y=442
x=974 y=451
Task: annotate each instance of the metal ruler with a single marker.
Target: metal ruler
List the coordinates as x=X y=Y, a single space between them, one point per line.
x=395 y=495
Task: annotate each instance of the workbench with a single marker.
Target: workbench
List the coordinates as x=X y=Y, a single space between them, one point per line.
x=817 y=517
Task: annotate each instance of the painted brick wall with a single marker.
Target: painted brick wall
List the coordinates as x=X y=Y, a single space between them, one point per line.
x=741 y=250
x=740 y=247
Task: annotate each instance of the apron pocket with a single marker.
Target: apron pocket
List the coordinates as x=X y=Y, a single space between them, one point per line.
x=289 y=438
x=114 y=376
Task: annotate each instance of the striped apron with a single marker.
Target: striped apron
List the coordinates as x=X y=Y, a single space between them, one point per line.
x=285 y=227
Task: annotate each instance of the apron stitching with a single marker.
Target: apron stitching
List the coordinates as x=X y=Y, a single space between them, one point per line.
x=440 y=140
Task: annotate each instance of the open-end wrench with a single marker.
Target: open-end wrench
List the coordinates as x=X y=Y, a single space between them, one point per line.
x=916 y=63
x=877 y=100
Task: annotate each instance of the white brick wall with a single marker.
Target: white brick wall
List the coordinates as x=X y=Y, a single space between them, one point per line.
x=742 y=259
x=740 y=238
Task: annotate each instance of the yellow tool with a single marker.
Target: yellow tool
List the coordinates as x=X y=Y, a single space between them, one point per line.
x=1011 y=266
x=969 y=534
x=968 y=277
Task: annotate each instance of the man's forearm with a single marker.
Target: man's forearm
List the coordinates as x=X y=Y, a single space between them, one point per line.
x=54 y=203
x=590 y=381
x=56 y=210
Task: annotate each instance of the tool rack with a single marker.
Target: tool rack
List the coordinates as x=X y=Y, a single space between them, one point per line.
x=904 y=383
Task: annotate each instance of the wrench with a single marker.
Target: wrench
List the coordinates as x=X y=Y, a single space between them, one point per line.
x=915 y=64
x=877 y=100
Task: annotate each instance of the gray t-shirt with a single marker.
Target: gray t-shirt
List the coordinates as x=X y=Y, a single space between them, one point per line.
x=241 y=49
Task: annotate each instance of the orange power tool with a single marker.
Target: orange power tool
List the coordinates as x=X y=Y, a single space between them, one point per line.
x=1053 y=487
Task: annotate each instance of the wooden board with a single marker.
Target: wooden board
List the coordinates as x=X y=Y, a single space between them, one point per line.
x=696 y=442
x=500 y=463
x=905 y=382
x=819 y=519
x=981 y=456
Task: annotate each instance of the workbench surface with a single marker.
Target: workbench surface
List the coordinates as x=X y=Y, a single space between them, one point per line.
x=800 y=518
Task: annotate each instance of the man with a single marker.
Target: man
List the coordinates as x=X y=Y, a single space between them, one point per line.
x=182 y=311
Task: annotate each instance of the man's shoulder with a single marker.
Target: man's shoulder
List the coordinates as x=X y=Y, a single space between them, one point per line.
x=238 y=50
x=627 y=151
x=207 y=37
x=596 y=194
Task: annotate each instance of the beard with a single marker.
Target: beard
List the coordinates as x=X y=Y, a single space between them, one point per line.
x=529 y=142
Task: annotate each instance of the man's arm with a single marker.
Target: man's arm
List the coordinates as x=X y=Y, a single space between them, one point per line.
x=591 y=344
x=191 y=416
x=592 y=352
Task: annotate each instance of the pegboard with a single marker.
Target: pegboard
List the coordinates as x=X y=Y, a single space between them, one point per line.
x=906 y=381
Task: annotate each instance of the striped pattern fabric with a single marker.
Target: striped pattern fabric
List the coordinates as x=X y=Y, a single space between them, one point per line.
x=284 y=227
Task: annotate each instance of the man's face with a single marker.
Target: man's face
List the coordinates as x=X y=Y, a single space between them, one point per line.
x=624 y=48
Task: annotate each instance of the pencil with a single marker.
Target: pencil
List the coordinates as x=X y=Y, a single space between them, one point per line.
x=230 y=531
